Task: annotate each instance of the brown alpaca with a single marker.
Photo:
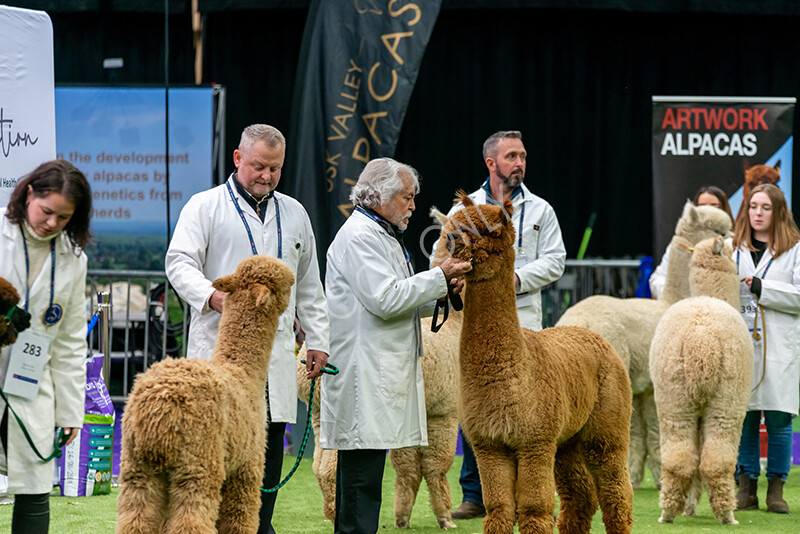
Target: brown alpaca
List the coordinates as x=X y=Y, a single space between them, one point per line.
x=13 y=320
x=544 y=411
x=702 y=364
x=194 y=430
x=757 y=175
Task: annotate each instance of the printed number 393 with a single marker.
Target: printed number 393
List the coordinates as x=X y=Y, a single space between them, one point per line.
x=33 y=350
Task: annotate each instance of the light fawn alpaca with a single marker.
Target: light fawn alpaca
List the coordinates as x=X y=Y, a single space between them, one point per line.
x=543 y=410
x=629 y=324
x=194 y=430
x=702 y=365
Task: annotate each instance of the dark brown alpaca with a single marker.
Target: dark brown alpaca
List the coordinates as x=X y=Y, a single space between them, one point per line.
x=544 y=411
x=757 y=175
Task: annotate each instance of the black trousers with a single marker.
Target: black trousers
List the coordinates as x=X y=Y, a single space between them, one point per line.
x=272 y=475
x=359 y=481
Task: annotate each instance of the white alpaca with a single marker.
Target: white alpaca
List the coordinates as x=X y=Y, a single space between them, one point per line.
x=701 y=360
x=628 y=325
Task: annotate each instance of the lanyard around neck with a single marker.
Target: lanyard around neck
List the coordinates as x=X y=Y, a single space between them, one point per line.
x=247 y=226
x=518 y=191
x=378 y=221
x=764 y=274
x=53 y=314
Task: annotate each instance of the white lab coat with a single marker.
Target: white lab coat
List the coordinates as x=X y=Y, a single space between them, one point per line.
x=377 y=401
x=210 y=241
x=658 y=278
x=780 y=299
x=59 y=402
x=542 y=246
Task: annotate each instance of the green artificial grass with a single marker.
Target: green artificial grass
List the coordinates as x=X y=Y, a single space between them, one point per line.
x=299 y=510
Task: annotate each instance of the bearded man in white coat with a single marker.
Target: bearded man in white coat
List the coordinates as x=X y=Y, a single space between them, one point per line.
x=220 y=227
x=377 y=401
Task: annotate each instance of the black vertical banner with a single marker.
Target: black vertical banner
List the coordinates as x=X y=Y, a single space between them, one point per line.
x=358 y=63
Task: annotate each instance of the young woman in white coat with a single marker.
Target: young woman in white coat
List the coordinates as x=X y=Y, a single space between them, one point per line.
x=43 y=233
x=766 y=247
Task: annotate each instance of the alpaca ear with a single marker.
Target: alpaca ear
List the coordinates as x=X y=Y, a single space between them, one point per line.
x=690 y=212
x=745 y=164
x=777 y=166
x=263 y=296
x=438 y=216
x=461 y=196
x=719 y=246
x=508 y=208
x=226 y=284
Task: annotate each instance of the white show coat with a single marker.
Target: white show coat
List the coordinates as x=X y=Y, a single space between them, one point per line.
x=61 y=393
x=780 y=300
x=209 y=242
x=542 y=246
x=658 y=278
x=377 y=401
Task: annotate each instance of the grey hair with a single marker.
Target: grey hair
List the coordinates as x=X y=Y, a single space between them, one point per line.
x=380 y=181
x=490 y=145
x=261 y=132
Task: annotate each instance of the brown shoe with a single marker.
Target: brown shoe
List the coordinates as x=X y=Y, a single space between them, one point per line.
x=775 y=502
x=469 y=510
x=747 y=497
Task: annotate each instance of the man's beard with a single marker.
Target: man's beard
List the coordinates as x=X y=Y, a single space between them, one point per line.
x=513 y=180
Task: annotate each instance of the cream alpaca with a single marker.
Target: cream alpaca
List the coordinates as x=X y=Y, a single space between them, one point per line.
x=701 y=359
x=543 y=410
x=194 y=430
x=628 y=325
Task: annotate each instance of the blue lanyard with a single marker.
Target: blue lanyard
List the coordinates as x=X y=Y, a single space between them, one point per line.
x=53 y=313
x=764 y=274
x=247 y=226
x=377 y=220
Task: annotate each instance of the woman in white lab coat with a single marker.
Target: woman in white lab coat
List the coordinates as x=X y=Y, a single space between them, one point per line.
x=43 y=233
x=766 y=247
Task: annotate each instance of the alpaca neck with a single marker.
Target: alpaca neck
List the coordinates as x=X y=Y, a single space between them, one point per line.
x=491 y=333
x=676 y=286
x=246 y=343
x=723 y=286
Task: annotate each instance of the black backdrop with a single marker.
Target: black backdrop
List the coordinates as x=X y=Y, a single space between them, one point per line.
x=577 y=81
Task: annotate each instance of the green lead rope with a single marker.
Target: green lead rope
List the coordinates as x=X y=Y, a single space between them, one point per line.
x=328 y=369
x=59 y=442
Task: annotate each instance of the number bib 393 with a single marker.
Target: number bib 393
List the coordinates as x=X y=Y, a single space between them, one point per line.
x=26 y=365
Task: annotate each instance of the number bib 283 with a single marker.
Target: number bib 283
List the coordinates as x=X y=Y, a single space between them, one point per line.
x=26 y=365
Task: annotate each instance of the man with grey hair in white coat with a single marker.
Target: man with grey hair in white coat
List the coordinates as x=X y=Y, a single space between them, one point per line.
x=377 y=401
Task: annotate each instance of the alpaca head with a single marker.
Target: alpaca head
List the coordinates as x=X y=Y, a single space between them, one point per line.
x=259 y=282
x=713 y=272
x=702 y=222
x=13 y=320
x=483 y=235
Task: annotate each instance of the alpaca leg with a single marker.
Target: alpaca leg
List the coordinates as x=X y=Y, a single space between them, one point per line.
x=652 y=435
x=437 y=459
x=606 y=458
x=535 y=488
x=194 y=493
x=679 y=461
x=637 y=447
x=324 y=467
x=693 y=494
x=241 y=500
x=576 y=491
x=142 y=500
x=498 y=470
x=407 y=464
x=718 y=462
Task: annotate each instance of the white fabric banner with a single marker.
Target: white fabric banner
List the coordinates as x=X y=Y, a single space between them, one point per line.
x=27 y=95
